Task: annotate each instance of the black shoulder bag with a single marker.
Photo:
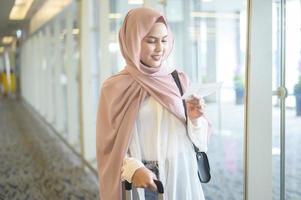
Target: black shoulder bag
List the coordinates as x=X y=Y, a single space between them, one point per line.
x=201 y=157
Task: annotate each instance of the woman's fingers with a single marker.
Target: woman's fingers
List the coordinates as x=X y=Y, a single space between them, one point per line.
x=143 y=178
x=195 y=113
x=152 y=186
x=196 y=101
x=191 y=106
x=195 y=107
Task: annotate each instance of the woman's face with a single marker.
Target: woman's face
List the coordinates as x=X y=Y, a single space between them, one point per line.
x=153 y=46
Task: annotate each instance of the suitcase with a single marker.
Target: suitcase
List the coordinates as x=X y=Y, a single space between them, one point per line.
x=129 y=192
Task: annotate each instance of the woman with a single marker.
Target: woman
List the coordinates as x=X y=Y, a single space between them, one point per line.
x=141 y=118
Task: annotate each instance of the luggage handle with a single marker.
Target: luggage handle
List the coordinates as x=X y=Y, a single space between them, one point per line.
x=128 y=186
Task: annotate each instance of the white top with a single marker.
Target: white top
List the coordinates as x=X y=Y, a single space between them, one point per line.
x=159 y=135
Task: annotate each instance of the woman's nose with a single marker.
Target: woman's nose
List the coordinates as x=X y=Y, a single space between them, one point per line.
x=159 y=46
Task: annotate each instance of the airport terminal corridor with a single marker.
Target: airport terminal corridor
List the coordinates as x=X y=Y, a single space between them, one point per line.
x=55 y=58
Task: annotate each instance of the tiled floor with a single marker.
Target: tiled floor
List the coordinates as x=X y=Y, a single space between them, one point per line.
x=35 y=164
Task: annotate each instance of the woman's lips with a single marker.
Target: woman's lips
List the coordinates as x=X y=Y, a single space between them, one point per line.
x=156 y=57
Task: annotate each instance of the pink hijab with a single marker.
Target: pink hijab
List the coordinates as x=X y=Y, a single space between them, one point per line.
x=121 y=97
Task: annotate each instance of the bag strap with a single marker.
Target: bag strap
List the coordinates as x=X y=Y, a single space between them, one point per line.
x=177 y=80
x=175 y=76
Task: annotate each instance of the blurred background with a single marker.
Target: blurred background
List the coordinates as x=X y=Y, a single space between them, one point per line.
x=55 y=54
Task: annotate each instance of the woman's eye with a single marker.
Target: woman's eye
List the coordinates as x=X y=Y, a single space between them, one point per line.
x=151 y=41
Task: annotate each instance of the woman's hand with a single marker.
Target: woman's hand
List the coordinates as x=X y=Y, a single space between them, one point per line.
x=195 y=107
x=143 y=178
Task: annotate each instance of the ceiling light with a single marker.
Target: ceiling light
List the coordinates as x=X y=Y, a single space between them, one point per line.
x=114 y=15
x=49 y=9
x=7 y=39
x=226 y=15
x=75 y=31
x=135 y=2
x=20 y=9
x=19 y=33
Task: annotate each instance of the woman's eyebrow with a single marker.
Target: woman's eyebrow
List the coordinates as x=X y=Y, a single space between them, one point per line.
x=156 y=37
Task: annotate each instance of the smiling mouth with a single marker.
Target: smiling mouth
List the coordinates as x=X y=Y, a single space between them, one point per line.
x=156 y=57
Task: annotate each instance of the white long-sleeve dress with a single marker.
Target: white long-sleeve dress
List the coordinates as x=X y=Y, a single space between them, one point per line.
x=160 y=136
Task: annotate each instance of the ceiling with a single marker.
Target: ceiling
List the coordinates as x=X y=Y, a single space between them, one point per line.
x=8 y=27
x=5 y=26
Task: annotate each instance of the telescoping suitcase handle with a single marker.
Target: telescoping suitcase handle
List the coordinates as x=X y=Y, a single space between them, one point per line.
x=128 y=188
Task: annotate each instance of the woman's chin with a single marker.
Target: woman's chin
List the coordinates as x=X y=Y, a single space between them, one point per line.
x=153 y=64
x=156 y=64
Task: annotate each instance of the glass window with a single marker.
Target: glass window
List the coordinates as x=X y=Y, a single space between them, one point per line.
x=287 y=50
x=50 y=57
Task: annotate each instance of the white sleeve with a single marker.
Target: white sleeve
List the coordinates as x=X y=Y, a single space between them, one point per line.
x=129 y=167
x=198 y=132
x=131 y=164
